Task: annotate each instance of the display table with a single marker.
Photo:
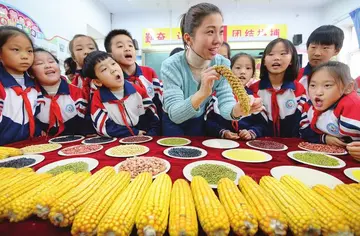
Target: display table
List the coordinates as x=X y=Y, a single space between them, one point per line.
x=36 y=226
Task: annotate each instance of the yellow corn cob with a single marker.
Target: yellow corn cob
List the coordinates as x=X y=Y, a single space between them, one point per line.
x=9 y=194
x=350 y=210
x=6 y=170
x=22 y=207
x=120 y=218
x=183 y=219
x=298 y=214
x=8 y=173
x=241 y=216
x=355 y=186
x=270 y=218
x=236 y=86
x=152 y=218
x=348 y=191
x=211 y=213
x=3 y=155
x=86 y=222
x=332 y=221
x=65 y=208
x=19 y=177
x=46 y=199
x=11 y=151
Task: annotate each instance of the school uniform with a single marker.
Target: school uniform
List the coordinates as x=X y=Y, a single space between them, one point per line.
x=17 y=108
x=88 y=88
x=216 y=125
x=283 y=107
x=303 y=77
x=62 y=113
x=124 y=114
x=340 y=120
x=146 y=80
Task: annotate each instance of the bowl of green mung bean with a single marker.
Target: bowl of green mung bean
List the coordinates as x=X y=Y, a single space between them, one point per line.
x=173 y=141
x=76 y=165
x=317 y=159
x=213 y=171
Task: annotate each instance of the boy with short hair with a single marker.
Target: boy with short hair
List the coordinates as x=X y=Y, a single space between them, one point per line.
x=119 y=44
x=118 y=109
x=323 y=43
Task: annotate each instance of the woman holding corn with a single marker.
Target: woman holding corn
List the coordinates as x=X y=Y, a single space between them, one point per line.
x=190 y=79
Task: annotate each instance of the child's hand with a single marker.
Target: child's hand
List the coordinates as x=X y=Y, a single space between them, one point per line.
x=245 y=135
x=230 y=135
x=141 y=133
x=331 y=140
x=43 y=133
x=354 y=150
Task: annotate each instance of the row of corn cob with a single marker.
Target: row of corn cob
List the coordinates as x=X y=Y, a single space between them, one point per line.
x=271 y=205
x=6 y=152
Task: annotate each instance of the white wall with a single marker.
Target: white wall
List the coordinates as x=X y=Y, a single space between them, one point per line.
x=299 y=21
x=338 y=11
x=66 y=17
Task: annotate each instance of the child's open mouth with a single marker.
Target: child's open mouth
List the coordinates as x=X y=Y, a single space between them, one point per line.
x=275 y=65
x=318 y=102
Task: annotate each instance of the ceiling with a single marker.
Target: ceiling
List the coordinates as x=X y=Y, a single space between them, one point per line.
x=122 y=6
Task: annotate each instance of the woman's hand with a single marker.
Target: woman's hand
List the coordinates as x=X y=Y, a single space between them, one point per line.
x=256 y=105
x=208 y=77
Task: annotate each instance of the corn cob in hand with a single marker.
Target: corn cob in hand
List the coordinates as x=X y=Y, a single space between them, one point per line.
x=236 y=86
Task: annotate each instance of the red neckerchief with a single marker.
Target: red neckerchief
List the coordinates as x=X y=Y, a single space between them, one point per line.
x=121 y=106
x=314 y=120
x=137 y=82
x=23 y=93
x=55 y=114
x=275 y=110
x=85 y=85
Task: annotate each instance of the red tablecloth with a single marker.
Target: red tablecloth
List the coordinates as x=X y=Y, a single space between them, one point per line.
x=35 y=226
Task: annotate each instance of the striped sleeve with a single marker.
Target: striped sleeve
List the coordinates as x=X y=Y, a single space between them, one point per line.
x=158 y=86
x=79 y=100
x=104 y=126
x=349 y=118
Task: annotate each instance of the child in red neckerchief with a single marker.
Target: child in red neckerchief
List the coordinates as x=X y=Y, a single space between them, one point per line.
x=118 y=109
